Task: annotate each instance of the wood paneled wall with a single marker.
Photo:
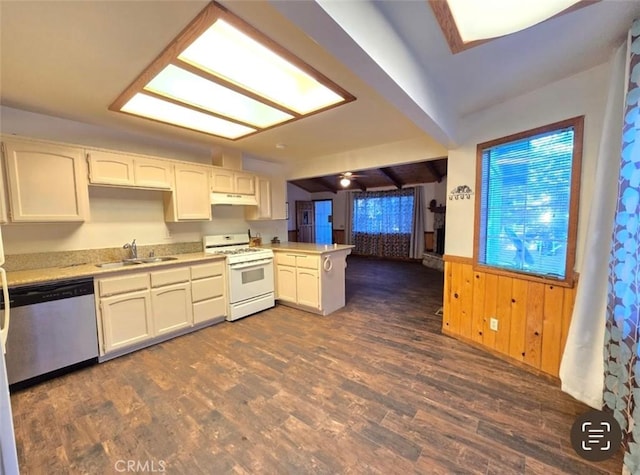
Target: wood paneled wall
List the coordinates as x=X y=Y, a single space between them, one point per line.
x=533 y=318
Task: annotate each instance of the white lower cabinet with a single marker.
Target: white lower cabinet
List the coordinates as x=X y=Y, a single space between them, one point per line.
x=297 y=279
x=139 y=309
x=208 y=293
x=171 y=308
x=308 y=287
x=126 y=320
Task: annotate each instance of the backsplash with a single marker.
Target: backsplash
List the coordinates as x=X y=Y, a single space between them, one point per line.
x=40 y=260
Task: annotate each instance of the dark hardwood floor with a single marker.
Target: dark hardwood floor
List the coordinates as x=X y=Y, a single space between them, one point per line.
x=373 y=388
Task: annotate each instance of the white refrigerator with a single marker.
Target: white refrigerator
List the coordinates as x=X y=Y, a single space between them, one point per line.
x=8 y=455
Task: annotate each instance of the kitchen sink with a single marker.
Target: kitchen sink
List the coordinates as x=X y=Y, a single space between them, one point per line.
x=147 y=260
x=131 y=262
x=110 y=265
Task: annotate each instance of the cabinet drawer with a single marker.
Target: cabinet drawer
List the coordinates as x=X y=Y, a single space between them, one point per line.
x=207 y=270
x=168 y=277
x=207 y=288
x=209 y=309
x=308 y=261
x=122 y=284
x=285 y=259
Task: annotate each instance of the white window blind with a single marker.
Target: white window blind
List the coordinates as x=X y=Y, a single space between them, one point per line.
x=525 y=203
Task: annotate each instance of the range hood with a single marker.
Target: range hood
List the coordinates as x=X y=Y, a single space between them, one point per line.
x=233 y=199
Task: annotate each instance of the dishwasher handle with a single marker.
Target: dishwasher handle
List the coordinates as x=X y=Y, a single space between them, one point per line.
x=48 y=292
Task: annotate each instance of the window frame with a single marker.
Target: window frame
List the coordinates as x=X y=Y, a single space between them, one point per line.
x=574 y=201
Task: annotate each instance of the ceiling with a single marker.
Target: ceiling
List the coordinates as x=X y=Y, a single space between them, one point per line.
x=71 y=59
x=394 y=175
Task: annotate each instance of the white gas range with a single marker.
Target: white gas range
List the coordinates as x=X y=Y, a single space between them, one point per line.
x=249 y=273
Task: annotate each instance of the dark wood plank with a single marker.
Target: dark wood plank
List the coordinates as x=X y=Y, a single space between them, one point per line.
x=372 y=388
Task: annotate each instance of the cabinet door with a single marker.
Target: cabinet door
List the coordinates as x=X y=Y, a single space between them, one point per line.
x=244 y=183
x=152 y=173
x=126 y=319
x=222 y=181
x=192 y=193
x=278 y=198
x=171 y=308
x=286 y=283
x=3 y=195
x=263 y=196
x=106 y=168
x=308 y=288
x=47 y=183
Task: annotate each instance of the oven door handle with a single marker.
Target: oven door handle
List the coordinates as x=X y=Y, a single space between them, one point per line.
x=246 y=265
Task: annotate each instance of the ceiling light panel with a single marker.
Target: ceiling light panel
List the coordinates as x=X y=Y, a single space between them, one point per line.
x=219 y=68
x=492 y=18
x=244 y=62
x=189 y=88
x=163 y=111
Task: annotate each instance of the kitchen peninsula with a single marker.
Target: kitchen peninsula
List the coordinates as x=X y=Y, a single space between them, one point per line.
x=310 y=276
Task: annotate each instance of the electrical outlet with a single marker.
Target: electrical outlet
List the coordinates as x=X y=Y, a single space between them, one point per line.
x=493 y=324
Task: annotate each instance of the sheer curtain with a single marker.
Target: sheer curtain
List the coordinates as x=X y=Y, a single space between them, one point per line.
x=622 y=332
x=382 y=222
x=581 y=370
x=348 y=219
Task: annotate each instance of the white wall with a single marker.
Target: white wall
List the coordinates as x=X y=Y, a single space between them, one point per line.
x=119 y=215
x=582 y=94
x=295 y=193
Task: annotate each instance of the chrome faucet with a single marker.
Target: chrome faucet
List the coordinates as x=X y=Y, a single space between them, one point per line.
x=133 y=248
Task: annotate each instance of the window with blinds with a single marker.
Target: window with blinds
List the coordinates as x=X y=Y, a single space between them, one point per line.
x=528 y=191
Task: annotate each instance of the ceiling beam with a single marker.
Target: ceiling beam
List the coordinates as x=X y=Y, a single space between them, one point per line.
x=434 y=171
x=326 y=184
x=391 y=175
x=358 y=184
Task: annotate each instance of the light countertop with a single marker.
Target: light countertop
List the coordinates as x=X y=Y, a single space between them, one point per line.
x=49 y=274
x=307 y=247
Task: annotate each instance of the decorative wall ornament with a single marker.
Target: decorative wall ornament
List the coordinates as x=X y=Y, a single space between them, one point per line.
x=461 y=192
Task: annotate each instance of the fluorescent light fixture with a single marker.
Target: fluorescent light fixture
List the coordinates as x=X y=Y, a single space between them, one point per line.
x=246 y=63
x=479 y=20
x=222 y=77
x=189 y=88
x=469 y=23
x=163 y=111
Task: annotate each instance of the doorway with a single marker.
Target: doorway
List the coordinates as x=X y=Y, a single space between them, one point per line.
x=323 y=210
x=314 y=221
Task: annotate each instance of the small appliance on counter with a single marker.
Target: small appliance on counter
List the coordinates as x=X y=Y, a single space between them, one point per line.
x=249 y=273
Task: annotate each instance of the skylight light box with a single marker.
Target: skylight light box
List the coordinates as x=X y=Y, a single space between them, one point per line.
x=211 y=85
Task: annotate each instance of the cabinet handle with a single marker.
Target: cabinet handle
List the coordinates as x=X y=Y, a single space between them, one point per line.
x=327 y=265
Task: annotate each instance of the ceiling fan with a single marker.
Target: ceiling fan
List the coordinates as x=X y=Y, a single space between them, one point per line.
x=346 y=177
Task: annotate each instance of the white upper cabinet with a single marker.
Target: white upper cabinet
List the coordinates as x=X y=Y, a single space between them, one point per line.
x=107 y=168
x=46 y=182
x=151 y=173
x=190 y=200
x=271 y=197
x=245 y=183
x=119 y=169
x=224 y=180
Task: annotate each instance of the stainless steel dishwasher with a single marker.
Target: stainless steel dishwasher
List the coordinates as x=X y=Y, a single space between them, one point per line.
x=53 y=330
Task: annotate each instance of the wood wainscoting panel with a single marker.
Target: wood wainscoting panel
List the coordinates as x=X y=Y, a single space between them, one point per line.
x=552 y=329
x=477 y=313
x=490 y=309
x=534 y=314
x=518 y=328
x=533 y=318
